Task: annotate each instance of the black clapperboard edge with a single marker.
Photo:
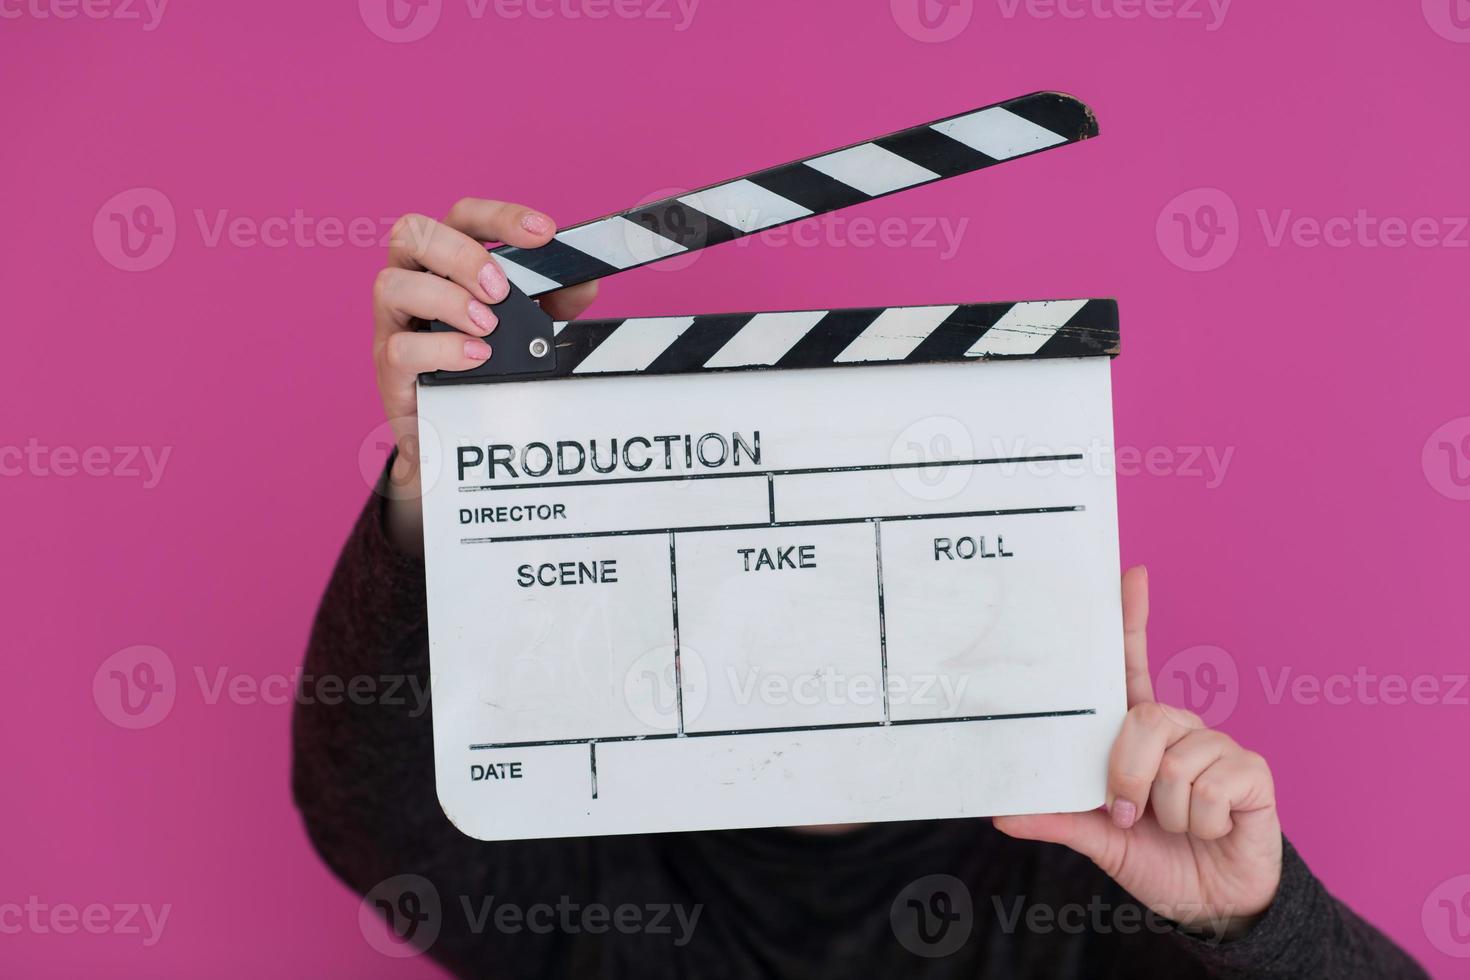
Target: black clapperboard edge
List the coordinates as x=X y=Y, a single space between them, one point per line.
x=529 y=346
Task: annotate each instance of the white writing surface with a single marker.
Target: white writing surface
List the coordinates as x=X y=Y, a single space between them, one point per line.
x=772 y=598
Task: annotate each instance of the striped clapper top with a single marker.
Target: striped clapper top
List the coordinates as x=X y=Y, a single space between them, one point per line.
x=822 y=338
x=780 y=195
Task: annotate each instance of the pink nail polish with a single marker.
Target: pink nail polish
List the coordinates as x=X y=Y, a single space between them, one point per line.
x=493 y=281
x=537 y=224
x=481 y=316
x=1124 y=813
x=476 y=350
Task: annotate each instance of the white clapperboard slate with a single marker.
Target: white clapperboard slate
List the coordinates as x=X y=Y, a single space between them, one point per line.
x=773 y=569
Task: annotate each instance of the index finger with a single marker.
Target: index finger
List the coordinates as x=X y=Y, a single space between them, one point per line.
x=1135 y=636
x=515 y=224
x=497 y=221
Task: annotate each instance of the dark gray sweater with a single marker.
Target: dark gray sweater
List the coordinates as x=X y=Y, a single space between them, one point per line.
x=762 y=903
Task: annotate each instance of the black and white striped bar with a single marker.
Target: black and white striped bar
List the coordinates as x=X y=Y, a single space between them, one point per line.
x=826 y=338
x=957 y=145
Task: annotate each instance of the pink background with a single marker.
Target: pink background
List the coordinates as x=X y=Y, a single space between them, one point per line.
x=1335 y=539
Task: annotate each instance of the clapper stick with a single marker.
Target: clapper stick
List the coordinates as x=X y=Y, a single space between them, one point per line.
x=816 y=185
x=823 y=338
x=807 y=338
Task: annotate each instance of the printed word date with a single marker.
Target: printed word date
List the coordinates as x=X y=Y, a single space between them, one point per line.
x=495 y=770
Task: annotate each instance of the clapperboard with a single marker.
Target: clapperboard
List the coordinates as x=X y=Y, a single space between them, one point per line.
x=779 y=568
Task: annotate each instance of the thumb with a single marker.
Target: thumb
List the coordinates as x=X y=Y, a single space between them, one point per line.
x=1092 y=834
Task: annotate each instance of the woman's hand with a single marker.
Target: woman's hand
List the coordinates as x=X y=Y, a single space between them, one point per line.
x=441 y=271
x=1191 y=828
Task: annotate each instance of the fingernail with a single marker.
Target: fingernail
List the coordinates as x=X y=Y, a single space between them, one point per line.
x=1124 y=813
x=476 y=350
x=481 y=316
x=493 y=281
x=537 y=224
